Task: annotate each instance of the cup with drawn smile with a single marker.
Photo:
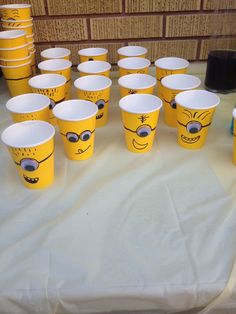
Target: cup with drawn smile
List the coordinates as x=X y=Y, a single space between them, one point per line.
x=172 y=85
x=167 y=66
x=132 y=51
x=95 y=88
x=51 y=85
x=136 y=84
x=77 y=120
x=140 y=114
x=133 y=65
x=195 y=110
x=58 y=66
x=94 y=68
x=55 y=53
x=31 y=146
x=93 y=54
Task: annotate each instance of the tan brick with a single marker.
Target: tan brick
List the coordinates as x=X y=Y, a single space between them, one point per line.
x=200 y=25
x=172 y=48
x=219 y=4
x=56 y=7
x=39 y=48
x=133 y=6
x=217 y=43
x=112 y=50
x=126 y=27
x=60 y=30
x=38 y=7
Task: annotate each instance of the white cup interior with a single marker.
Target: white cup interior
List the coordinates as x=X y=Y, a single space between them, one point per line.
x=133 y=63
x=28 y=133
x=137 y=81
x=140 y=103
x=197 y=99
x=181 y=81
x=87 y=52
x=47 y=81
x=94 y=66
x=55 y=53
x=11 y=34
x=15 y=6
x=28 y=103
x=54 y=65
x=171 y=63
x=132 y=51
x=92 y=82
x=75 y=110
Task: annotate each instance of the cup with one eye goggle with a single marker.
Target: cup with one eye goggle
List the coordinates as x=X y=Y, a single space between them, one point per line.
x=74 y=137
x=30 y=164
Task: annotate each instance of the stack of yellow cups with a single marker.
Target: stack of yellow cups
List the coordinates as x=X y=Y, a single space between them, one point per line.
x=18 y=17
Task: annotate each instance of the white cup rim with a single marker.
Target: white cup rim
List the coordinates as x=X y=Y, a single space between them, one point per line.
x=132 y=51
x=14 y=34
x=140 y=103
x=15 y=21
x=41 y=81
x=14 y=66
x=14 y=48
x=55 y=65
x=142 y=81
x=92 y=51
x=197 y=99
x=94 y=66
x=11 y=60
x=27 y=103
x=55 y=53
x=75 y=110
x=171 y=63
x=181 y=81
x=13 y=137
x=90 y=83
x=133 y=63
x=15 y=6
x=19 y=27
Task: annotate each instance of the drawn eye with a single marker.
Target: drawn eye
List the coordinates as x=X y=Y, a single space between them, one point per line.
x=29 y=164
x=52 y=104
x=72 y=137
x=90 y=59
x=132 y=91
x=194 y=127
x=144 y=131
x=85 y=136
x=173 y=104
x=100 y=103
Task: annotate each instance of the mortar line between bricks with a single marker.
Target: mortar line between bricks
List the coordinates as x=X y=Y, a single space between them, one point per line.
x=88 y=28
x=46 y=8
x=198 y=49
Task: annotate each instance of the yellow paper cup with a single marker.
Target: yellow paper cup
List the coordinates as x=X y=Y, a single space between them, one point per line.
x=14 y=53
x=58 y=66
x=29 y=107
x=51 y=85
x=140 y=114
x=15 y=11
x=31 y=145
x=133 y=65
x=171 y=86
x=234 y=137
x=55 y=53
x=195 y=109
x=17 y=23
x=30 y=39
x=17 y=78
x=95 y=88
x=12 y=39
x=132 y=51
x=136 y=84
x=15 y=62
x=31 y=48
x=77 y=120
x=94 y=68
x=167 y=66
x=92 y=54
x=27 y=29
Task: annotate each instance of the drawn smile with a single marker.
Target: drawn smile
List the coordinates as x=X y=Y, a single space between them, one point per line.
x=31 y=180
x=81 y=151
x=190 y=140
x=99 y=116
x=138 y=145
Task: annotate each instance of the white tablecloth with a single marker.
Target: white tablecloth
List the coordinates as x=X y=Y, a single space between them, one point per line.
x=123 y=231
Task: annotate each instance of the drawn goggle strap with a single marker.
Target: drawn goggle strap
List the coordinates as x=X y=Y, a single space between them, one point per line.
x=79 y=135
x=152 y=129
x=38 y=162
x=57 y=102
x=202 y=126
x=18 y=79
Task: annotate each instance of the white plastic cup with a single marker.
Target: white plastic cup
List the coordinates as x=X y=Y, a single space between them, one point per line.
x=94 y=68
x=132 y=51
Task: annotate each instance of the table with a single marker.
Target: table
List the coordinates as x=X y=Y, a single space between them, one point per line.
x=123 y=231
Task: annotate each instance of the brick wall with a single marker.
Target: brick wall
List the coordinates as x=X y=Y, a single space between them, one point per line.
x=186 y=28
